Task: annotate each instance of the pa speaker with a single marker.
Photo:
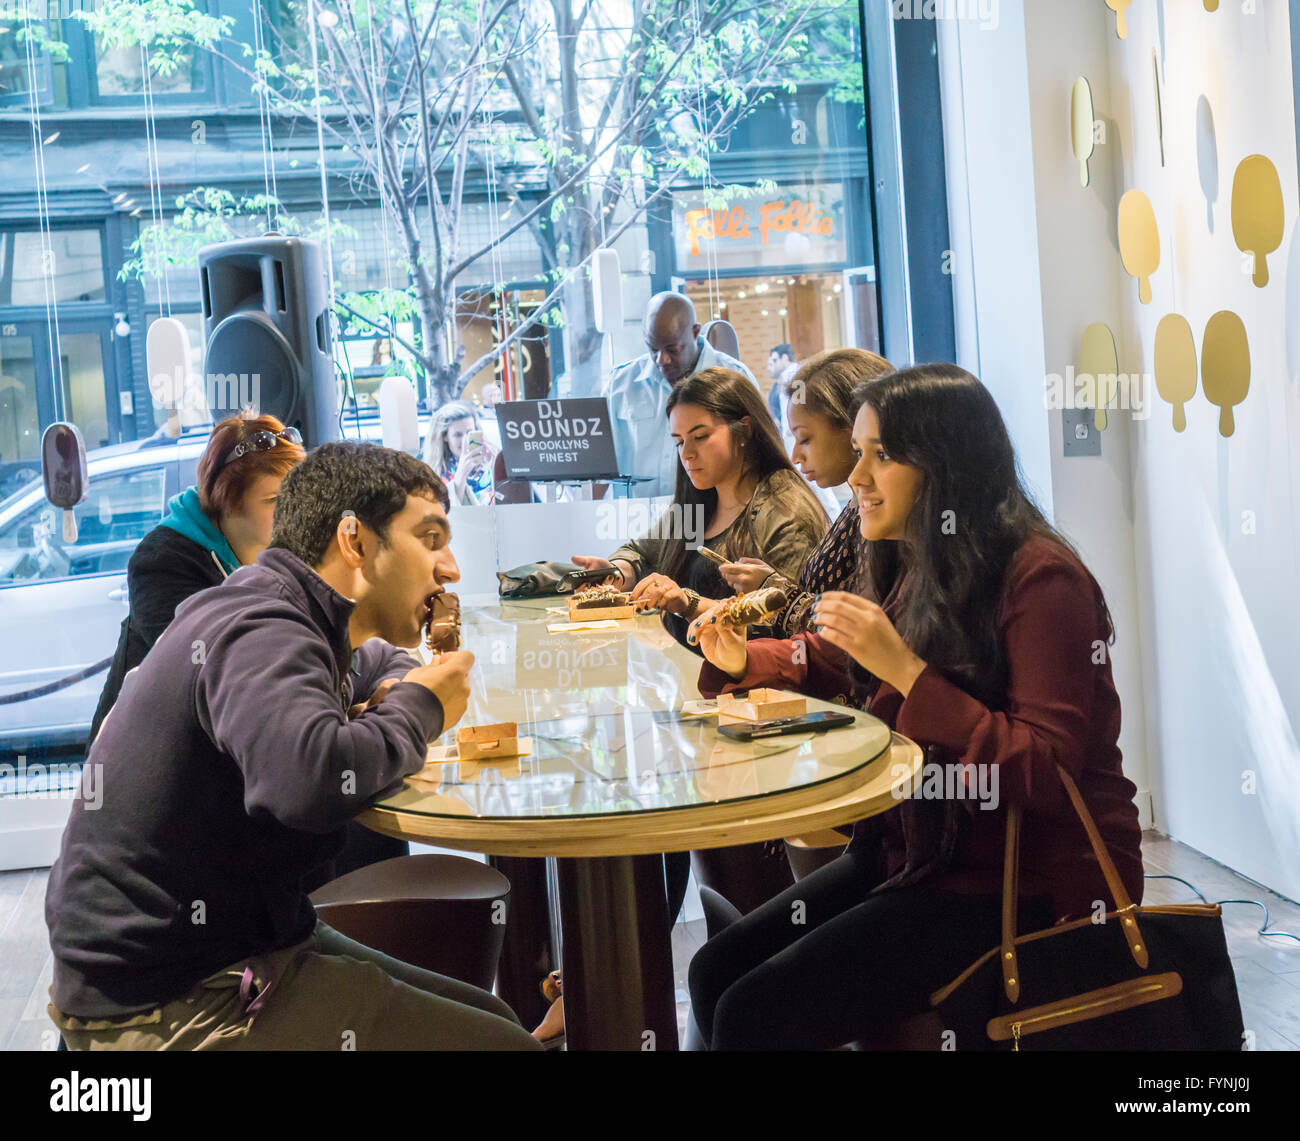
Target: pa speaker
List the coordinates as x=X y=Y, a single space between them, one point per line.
x=267 y=331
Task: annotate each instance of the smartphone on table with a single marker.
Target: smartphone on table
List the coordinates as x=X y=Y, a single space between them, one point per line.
x=781 y=726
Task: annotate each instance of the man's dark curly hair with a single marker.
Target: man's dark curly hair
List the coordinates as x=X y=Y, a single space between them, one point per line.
x=370 y=481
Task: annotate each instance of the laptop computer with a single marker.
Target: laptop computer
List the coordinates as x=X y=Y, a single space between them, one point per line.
x=549 y=440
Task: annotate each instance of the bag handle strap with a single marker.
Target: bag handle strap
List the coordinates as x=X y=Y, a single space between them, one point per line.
x=1011 y=887
x=1010 y=899
x=1123 y=904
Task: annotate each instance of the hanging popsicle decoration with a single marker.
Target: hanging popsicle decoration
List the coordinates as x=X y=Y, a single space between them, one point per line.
x=1207 y=157
x=1225 y=366
x=1258 y=215
x=1176 y=365
x=1099 y=359
x=1082 y=118
x=1139 y=240
x=1160 y=110
x=1120 y=8
x=1211 y=5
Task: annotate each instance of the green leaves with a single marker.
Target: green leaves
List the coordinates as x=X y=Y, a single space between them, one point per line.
x=167 y=28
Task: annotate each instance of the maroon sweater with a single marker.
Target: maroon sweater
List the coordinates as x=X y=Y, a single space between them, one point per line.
x=1061 y=706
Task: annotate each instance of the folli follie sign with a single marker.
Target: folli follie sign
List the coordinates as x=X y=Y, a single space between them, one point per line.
x=803 y=226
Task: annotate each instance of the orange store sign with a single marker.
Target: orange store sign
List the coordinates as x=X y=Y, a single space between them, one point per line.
x=740 y=223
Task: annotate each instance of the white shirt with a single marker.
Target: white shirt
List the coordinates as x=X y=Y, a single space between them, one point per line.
x=638 y=400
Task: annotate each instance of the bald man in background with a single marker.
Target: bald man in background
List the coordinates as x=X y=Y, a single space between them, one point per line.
x=638 y=391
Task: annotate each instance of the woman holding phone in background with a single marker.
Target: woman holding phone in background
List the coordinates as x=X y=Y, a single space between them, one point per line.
x=980 y=635
x=821 y=407
x=456 y=449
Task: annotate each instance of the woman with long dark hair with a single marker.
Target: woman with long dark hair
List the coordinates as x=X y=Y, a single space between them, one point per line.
x=981 y=635
x=737 y=493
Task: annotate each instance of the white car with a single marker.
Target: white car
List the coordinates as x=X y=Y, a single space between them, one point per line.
x=61 y=607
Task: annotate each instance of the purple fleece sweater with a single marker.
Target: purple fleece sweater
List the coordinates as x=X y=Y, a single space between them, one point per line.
x=228 y=771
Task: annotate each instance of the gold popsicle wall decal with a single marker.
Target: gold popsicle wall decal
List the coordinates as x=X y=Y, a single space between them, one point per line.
x=1082 y=130
x=1211 y=5
x=1176 y=365
x=1258 y=215
x=1099 y=359
x=1120 y=8
x=1139 y=240
x=1225 y=366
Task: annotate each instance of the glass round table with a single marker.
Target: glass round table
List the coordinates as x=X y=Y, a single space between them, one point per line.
x=619 y=764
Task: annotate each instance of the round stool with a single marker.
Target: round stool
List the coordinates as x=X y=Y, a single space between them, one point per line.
x=443 y=913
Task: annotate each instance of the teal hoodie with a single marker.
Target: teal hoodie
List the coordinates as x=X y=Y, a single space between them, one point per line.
x=186 y=516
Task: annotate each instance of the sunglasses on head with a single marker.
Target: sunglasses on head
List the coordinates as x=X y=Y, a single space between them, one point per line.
x=262 y=441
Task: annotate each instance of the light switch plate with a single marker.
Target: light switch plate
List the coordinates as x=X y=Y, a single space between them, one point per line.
x=1080 y=431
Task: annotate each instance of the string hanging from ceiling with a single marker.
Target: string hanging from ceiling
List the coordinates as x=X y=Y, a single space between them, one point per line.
x=48 y=268
x=264 y=125
x=712 y=277
x=157 y=219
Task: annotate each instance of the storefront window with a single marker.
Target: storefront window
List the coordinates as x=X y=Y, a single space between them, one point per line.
x=120 y=71
x=730 y=165
x=20 y=427
x=26 y=60
x=83 y=378
x=61 y=266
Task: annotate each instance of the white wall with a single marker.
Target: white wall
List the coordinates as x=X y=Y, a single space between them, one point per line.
x=1219 y=601
x=1034 y=257
x=1206 y=662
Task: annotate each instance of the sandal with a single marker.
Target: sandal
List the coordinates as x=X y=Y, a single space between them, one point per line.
x=551 y=1031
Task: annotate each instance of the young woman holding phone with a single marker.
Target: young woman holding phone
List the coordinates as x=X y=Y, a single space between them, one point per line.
x=458 y=451
x=820 y=411
x=980 y=635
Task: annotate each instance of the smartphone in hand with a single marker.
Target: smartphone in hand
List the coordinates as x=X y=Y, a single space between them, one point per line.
x=591 y=577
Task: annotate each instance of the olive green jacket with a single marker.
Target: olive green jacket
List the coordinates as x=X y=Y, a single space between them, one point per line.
x=782 y=524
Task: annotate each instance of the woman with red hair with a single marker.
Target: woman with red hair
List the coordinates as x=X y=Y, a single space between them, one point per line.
x=212 y=529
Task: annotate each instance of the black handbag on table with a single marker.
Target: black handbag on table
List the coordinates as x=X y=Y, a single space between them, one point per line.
x=1147 y=978
x=535 y=580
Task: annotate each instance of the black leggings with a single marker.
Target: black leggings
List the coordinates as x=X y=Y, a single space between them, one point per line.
x=855 y=964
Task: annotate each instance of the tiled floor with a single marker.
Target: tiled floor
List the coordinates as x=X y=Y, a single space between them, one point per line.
x=1267 y=970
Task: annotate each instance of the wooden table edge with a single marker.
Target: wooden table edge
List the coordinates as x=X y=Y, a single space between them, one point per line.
x=663 y=831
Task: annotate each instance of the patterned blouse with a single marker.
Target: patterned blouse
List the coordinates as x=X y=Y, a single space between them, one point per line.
x=831 y=565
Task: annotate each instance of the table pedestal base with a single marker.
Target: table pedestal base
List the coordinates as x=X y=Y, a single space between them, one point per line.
x=618 y=962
